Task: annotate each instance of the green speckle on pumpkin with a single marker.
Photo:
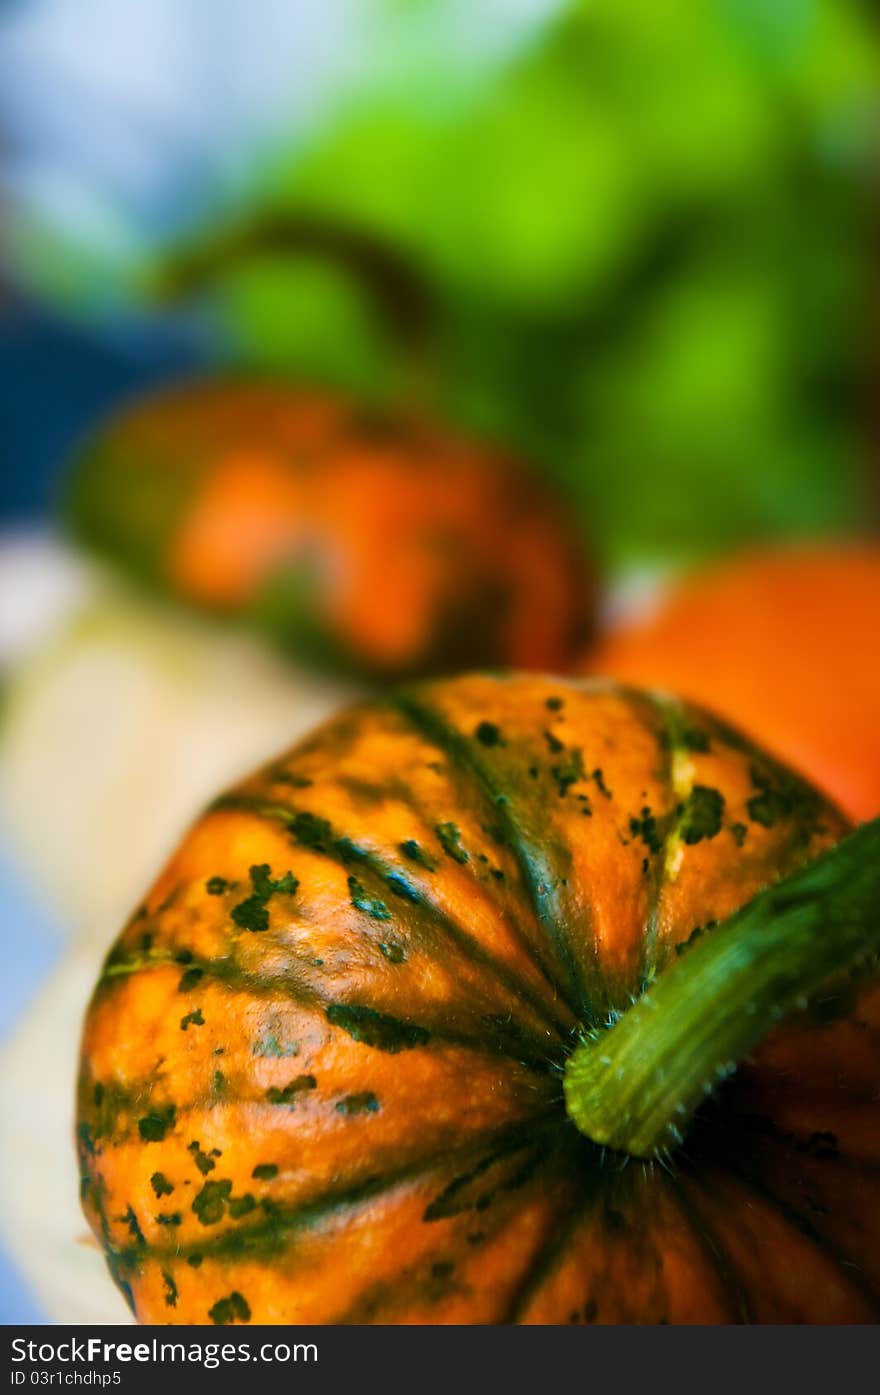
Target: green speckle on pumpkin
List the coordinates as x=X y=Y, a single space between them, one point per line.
x=767 y=808
x=241 y=1205
x=376 y=1028
x=192 y=1019
x=229 y=1310
x=288 y=1093
x=189 y=979
x=210 y=1203
x=488 y=734
x=393 y=953
x=369 y=905
x=215 y=886
x=264 y=1172
x=203 y=1161
x=781 y=795
x=684 y=945
x=416 y=853
x=399 y=886
x=160 y=1184
x=297 y=782
x=364 y=1102
x=567 y=772
x=170 y=1289
x=348 y=851
x=269 y=1045
x=450 y=841
x=645 y=827
x=131 y=1221
x=252 y=913
x=263 y=884
x=154 y=1126
x=693 y=739
x=311 y=832
x=598 y=778
x=701 y=814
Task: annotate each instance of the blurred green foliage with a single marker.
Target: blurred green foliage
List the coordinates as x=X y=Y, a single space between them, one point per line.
x=650 y=238
x=650 y=241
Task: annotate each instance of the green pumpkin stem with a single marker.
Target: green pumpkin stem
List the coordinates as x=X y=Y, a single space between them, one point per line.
x=634 y=1086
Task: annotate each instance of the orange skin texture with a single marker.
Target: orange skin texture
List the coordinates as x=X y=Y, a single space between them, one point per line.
x=785 y=643
x=335 y=1096
x=420 y=551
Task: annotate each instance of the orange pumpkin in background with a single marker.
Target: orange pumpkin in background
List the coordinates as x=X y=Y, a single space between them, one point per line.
x=328 y=1073
x=379 y=544
x=787 y=644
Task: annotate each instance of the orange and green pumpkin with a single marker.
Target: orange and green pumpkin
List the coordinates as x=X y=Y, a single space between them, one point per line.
x=382 y=544
x=337 y=1066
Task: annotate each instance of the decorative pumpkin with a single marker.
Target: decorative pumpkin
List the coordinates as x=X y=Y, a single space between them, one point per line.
x=383 y=545
x=785 y=644
x=337 y=1066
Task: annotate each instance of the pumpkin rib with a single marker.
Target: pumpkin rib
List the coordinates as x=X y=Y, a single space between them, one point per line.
x=804 y=1227
x=869 y=1167
x=229 y=973
x=703 y=1184
x=219 y=970
x=451 y=743
x=224 y=971
x=715 y=1250
x=141 y=1095
x=280 y=1224
x=660 y=708
x=808 y=796
x=830 y=1189
x=546 y=1261
x=597 y=1230
x=679 y=777
x=547 y=1162
x=370 y=863
x=308 y=998
x=798 y=840
x=445 y=1204
x=428 y=723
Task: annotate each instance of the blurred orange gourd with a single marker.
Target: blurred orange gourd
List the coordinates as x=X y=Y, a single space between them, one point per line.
x=379 y=544
x=787 y=644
